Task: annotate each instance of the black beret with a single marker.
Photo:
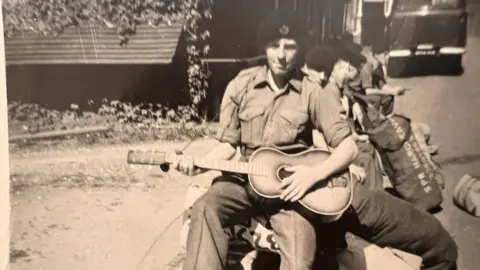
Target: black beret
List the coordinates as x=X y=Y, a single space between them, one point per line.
x=352 y=46
x=347 y=50
x=282 y=23
x=321 y=58
x=352 y=53
x=356 y=60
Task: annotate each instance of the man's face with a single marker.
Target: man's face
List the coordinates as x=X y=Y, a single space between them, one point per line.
x=282 y=56
x=345 y=71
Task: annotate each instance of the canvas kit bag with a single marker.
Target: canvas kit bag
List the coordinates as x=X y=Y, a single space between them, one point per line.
x=412 y=172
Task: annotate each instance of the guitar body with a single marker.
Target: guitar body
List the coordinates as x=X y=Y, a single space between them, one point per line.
x=329 y=198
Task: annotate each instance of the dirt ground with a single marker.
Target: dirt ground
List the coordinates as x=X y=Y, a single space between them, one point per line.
x=88 y=209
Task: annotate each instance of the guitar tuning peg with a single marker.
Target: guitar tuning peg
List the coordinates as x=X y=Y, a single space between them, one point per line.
x=165 y=167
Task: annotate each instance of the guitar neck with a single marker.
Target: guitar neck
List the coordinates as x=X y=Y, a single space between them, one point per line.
x=230 y=166
x=154 y=157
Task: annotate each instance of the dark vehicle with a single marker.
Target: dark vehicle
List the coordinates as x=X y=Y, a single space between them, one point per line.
x=426 y=30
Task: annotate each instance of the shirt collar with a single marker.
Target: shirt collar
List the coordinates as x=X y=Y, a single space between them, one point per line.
x=261 y=78
x=322 y=82
x=334 y=82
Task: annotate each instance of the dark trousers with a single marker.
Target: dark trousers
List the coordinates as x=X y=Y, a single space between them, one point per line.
x=367 y=159
x=376 y=216
x=230 y=201
x=385 y=220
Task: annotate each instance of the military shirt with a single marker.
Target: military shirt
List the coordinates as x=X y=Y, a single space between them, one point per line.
x=253 y=115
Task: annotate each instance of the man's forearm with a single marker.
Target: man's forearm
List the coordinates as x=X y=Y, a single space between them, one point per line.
x=223 y=151
x=386 y=91
x=391 y=90
x=341 y=157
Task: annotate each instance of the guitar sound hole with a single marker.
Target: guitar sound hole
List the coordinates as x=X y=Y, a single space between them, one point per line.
x=282 y=173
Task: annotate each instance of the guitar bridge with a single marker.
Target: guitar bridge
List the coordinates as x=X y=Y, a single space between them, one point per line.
x=341 y=181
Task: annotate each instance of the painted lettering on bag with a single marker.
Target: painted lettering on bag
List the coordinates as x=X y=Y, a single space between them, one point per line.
x=423 y=159
x=419 y=161
x=427 y=188
x=411 y=154
x=256 y=236
x=272 y=242
x=400 y=132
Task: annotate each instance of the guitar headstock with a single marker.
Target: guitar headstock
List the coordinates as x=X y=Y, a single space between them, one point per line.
x=152 y=157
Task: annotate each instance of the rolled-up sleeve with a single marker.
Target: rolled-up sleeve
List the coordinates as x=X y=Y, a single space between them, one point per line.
x=365 y=76
x=326 y=113
x=379 y=77
x=229 y=124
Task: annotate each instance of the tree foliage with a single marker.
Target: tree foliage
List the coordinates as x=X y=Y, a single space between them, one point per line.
x=52 y=17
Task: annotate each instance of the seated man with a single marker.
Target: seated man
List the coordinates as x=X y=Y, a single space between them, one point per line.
x=315 y=61
x=377 y=216
x=371 y=80
x=372 y=76
x=267 y=106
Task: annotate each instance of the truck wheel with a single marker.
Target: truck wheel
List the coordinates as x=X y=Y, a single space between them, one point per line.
x=397 y=67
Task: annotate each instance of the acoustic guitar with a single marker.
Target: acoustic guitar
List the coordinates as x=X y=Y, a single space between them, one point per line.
x=266 y=169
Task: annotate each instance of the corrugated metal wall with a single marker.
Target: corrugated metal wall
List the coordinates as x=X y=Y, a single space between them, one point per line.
x=91 y=44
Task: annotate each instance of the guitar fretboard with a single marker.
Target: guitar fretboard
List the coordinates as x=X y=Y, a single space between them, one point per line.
x=154 y=157
x=232 y=166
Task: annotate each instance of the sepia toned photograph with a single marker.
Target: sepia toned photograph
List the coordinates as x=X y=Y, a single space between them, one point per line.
x=240 y=135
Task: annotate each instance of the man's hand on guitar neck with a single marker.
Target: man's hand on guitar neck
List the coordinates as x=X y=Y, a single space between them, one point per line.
x=186 y=164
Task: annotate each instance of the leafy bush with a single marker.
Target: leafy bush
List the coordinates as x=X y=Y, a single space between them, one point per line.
x=32 y=113
x=129 y=123
x=53 y=16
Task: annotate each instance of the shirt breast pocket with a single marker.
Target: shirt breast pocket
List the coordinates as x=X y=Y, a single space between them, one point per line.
x=252 y=121
x=290 y=124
